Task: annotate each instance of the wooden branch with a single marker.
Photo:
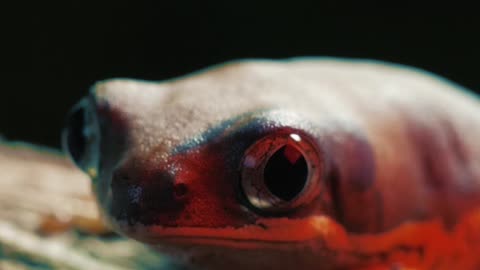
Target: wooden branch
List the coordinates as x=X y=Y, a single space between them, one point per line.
x=49 y=220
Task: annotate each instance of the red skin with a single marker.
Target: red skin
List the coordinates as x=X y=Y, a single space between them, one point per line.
x=399 y=186
x=207 y=214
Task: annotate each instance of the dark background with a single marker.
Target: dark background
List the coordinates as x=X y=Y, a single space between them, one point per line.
x=55 y=52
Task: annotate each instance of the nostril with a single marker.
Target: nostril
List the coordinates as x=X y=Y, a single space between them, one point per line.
x=180 y=190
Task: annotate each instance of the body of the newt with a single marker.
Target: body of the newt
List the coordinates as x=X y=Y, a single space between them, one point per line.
x=392 y=174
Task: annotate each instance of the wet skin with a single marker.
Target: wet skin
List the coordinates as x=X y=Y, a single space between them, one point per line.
x=306 y=163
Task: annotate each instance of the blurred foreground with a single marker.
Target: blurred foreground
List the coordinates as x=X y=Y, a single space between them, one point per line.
x=48 y=218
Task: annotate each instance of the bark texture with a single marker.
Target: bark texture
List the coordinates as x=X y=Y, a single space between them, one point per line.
x=49 y=220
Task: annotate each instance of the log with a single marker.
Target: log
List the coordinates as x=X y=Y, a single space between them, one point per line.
x=49 y=219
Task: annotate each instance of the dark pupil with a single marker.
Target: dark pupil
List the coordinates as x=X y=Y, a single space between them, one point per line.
x=286 y=173
x=75 y=137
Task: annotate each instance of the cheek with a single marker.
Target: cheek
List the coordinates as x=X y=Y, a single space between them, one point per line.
x=210 y=186
x=194 y=189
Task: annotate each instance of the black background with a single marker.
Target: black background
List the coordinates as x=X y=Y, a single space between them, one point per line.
x=55 y=52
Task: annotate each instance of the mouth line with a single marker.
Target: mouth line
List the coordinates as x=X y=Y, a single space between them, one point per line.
x=195 y=238
x=266 y=231
x=212 y=235
x=218 y=238
x=223 y=242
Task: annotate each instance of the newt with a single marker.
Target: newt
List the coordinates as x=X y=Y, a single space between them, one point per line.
x=307 y=163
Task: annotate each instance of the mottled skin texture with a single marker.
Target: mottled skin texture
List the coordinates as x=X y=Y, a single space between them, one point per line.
x=400 y=157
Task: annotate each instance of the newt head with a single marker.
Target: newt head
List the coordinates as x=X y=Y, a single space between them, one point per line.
x=267 y=165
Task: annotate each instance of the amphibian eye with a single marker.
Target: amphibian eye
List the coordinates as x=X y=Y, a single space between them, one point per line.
x=74 y=136
x=81 y=135
x=280 y=172
x=289 y=165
